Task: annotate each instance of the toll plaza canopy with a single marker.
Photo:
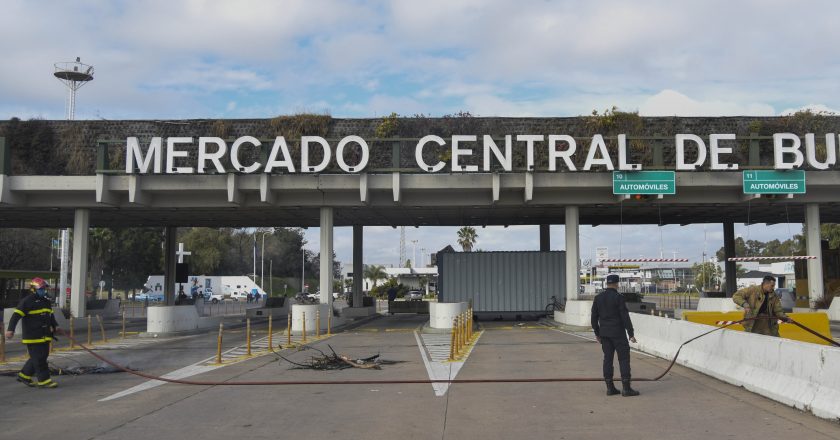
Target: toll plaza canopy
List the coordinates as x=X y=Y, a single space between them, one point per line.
x=418 y=171
x=313 y=170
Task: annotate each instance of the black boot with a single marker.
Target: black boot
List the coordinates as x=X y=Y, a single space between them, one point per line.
x=611 y=389
x=626 y=391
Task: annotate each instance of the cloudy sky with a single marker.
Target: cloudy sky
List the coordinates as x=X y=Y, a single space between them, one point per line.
x=258 y=59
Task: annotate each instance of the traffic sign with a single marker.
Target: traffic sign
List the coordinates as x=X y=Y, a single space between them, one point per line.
x=644 y=182
x=601 y=254
x=774 y=182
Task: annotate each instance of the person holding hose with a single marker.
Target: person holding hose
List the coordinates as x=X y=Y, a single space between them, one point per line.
x=39 y=326
x=761 y=302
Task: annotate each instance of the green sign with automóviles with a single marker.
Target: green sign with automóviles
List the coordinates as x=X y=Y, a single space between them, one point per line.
x=774 y=182
x=644 y=182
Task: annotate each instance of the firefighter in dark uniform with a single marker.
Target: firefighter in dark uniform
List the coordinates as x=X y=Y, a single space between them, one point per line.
x=39 y=326
x=611 y=322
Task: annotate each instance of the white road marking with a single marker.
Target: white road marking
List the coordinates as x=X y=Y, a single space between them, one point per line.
x=439 y=367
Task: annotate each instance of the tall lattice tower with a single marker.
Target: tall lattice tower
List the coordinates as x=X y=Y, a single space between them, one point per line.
x=402 y=246
x=74 y=75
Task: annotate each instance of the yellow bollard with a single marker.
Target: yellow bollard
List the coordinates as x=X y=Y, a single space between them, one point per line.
x=123 y=325
x=317 y=324
x=101 y=328
x=219 y=344
x=452 y=342
x=72 y=341
x=289 y=330
x=303 y=318
x=459 y=343
x=89 y=332
x=329 y=324
x=464 y=330
x=248 y=334
x=269 y=331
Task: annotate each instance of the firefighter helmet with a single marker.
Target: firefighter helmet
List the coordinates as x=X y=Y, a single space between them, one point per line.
x=38 y=283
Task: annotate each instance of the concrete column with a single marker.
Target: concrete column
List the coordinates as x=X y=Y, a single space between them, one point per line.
x=545 y=238
x=572 y=252
x=326 y=255
x=813 y=244
x=169 y=237
x=80 y=256
x=358 y=266
x=730 y=271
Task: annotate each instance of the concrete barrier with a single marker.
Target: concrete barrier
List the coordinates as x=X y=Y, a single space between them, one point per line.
x=357 y=312
x=265 y=312
x=441 y=315
x=794 y=373
x=834 y=310
x=310 y=309
x=815 y=321
x=717 y=305
x=577 y=313
x=178 y=319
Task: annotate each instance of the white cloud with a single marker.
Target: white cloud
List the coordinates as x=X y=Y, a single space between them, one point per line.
x=816 y=108
x=673 y=103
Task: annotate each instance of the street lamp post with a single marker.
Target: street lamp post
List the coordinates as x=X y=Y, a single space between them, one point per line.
x=262 y=259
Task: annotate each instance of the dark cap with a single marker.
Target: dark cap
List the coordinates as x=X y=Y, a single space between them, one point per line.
x=769 y=278
x=612 y=279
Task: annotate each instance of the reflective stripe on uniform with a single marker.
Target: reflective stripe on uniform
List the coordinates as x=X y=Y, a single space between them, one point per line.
x=23 y=376
x=44 y=382
x=40 y=311
x=36 y=341
x=19 y=312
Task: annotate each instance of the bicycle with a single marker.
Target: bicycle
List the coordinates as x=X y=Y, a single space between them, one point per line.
x=555 y=305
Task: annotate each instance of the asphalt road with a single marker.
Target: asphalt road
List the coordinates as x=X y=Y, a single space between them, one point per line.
x=684 y=405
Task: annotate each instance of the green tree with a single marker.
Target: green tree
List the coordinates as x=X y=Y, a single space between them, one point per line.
x=208 y=246
x=375 y=273
x=467 y=237
x=706 y=275
x=137 y=256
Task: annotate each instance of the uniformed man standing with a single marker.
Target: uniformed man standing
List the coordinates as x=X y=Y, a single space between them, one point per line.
x=761 y=302
x=39 y=326
x=611 y=322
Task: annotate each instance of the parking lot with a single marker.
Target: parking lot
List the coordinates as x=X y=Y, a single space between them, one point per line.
x=685 y=404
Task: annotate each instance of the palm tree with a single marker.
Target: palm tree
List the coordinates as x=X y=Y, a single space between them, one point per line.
x=467 y=237
x=375 y=273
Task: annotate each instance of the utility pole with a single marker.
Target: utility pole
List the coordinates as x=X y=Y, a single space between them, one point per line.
x=674 y=266
x=414 y=253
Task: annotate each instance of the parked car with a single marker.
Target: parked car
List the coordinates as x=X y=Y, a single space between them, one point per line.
x=148 y=297
x=211 y=296
x=414 y=295
x=236 y=296
x=306 y=298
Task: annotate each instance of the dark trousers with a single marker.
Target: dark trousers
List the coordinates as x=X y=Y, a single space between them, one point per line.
x=37 y=366
x=610 y=347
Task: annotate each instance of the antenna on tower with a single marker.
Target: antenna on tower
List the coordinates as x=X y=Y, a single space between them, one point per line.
x=402 y=246
x=74 y=75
